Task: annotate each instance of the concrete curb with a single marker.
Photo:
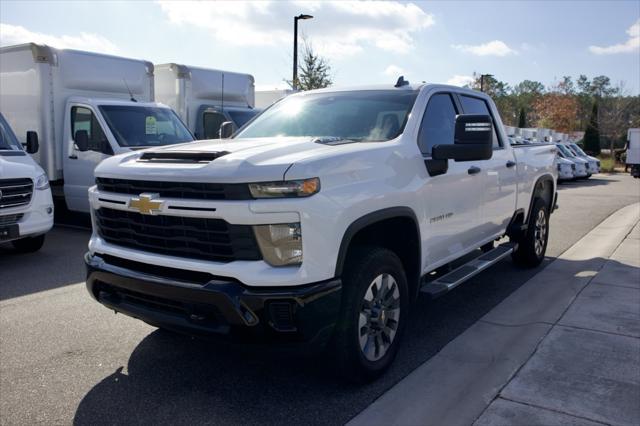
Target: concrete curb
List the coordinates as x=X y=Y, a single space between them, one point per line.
x=457 y=384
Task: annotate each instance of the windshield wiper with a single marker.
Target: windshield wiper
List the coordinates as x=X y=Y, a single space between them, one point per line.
x=336 y=140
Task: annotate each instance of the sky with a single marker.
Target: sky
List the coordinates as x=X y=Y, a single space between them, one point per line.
x=365 y=42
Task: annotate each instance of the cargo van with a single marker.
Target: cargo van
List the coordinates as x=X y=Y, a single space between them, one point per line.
x=206 y=98
x=84 y=107
x=633 y=151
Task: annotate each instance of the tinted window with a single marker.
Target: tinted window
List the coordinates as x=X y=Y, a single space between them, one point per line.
x=372 y=115
x=83 y=119
x=438 y=123
x=212 y=122
x=242 y=117
x=472 y=105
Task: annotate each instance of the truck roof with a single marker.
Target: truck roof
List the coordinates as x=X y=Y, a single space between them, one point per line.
x=408 y=87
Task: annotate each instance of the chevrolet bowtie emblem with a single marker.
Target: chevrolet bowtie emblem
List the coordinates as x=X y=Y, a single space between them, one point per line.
x=146 y=203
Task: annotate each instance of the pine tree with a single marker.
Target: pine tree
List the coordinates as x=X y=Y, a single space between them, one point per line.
x=315 y=71
x=522 y=119
x=592 y=133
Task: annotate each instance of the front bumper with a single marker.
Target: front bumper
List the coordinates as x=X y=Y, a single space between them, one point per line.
x=216 y=306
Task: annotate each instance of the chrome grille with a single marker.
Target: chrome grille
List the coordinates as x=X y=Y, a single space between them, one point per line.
x=15 y=192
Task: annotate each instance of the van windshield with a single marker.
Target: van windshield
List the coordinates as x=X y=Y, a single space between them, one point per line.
x=566 y=151
x=578 y=150
x=372 y=115
x=8 y=140
x=144 y=126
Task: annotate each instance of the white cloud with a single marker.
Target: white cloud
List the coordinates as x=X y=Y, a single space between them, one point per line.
x=631 y=45
x=338 y=28
x=460 y=80
x=16 y=34
x=394 y=71
x=492 y=48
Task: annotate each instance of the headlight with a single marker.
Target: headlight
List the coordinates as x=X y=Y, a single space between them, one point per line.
x=285 y=188
x=280 y=244
x=42 y=182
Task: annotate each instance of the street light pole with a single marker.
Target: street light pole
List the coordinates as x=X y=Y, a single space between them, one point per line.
x=294 y=82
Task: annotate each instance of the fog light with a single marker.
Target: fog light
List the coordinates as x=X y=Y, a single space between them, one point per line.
x=280 y=244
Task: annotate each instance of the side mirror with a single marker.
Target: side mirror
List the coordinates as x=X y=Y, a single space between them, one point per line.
x=473 y=140
x=32 y=142
x=81 y=139
x=226 y=129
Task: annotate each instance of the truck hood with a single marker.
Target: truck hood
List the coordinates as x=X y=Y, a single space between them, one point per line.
x=239 y=160
x=18 y=166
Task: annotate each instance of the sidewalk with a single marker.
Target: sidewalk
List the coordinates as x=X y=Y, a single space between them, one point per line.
x=564 y=349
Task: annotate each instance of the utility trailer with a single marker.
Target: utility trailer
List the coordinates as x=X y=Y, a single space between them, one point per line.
x=206 y=98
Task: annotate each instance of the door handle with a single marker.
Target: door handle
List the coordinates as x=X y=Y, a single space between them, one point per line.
x=73 y=157
x=473 y=170
x=510 y=163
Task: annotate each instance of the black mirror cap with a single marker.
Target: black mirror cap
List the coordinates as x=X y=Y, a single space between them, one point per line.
x=81 y=138
x=460 y=152
x=472 y=141
x=227 y=129
x=32 y=142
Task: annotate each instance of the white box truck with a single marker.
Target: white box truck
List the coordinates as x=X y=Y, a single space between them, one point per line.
x=266 y=98
x=206 y=98
x=85 y=107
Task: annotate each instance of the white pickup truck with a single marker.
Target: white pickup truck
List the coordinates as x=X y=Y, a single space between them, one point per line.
x=321 y=220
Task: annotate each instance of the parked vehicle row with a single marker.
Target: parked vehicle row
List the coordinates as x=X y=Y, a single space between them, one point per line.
x=86 y=107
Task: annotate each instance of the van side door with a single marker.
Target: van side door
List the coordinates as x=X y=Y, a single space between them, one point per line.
x=80 y=164
x=499 y=175
x=451 y=198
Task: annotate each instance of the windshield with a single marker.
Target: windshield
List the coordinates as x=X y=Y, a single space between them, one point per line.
x=144 y=126
x=578 y=150
x=566 y=151
x=8 y=140
x=376 y=115
x=241 y=117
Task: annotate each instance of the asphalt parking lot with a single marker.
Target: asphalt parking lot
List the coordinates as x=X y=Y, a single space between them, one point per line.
x=64 y=358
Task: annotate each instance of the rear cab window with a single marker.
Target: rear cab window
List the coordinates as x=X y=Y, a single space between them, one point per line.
x=473 y=105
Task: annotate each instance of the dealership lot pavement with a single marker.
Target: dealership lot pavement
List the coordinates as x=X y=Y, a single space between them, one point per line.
x=64 y=358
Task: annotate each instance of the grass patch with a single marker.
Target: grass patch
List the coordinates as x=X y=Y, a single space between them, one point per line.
x=607 y=165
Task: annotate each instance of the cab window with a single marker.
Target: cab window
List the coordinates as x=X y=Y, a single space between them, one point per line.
x=83 y=119
x=438 y=123
x=473 y=105
x=211 y=124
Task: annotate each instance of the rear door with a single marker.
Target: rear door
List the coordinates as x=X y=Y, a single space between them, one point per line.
x=498 y=175
x=451 y=199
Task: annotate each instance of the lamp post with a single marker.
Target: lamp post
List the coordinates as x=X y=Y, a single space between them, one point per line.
x=294 y=83
x=482 y=76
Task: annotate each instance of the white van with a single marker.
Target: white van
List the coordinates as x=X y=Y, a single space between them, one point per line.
x=26 y=206
x=84 y=107
x=206 y=98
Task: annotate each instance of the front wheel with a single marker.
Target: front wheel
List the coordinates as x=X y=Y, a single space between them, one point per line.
x=373 y=313
x=533 y=246
x=28 y=244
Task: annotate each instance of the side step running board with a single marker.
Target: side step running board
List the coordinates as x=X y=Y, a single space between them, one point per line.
x=461 y=274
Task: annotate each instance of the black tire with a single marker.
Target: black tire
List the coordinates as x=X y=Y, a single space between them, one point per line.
x=28 y=244
x=364 y=267
x=533 y=246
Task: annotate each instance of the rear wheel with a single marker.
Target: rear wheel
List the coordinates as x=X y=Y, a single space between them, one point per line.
x=28 y=244
x=373 y=313
x=533 y=246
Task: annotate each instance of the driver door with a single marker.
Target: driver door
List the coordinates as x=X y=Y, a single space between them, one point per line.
x=79 y=165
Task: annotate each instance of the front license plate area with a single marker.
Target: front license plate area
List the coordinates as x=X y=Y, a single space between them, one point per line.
x=9 y=232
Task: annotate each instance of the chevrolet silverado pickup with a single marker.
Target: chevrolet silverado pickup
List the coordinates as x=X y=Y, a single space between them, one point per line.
x=321 y=220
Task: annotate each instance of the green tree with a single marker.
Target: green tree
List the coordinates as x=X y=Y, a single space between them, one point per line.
x=314 y=72
x=522 y=118
x=592 y=133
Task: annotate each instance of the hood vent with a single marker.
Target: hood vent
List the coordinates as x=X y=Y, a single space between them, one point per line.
x=188 y=157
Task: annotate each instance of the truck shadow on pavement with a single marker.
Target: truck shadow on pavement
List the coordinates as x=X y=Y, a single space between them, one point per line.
x=592 y=181
x=176 y=379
